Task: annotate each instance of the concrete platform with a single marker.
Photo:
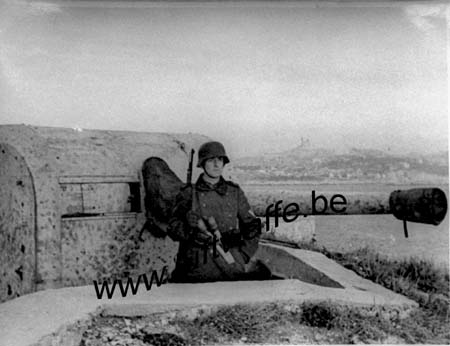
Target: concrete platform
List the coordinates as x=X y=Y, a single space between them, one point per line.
x=46 y=317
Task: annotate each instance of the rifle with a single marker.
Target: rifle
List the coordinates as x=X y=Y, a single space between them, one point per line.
x=189 y=171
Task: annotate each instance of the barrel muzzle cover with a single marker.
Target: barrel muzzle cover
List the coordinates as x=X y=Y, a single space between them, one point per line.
x=423 y=205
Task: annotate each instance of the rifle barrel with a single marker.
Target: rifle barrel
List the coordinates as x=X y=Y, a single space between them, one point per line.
x=189 y=172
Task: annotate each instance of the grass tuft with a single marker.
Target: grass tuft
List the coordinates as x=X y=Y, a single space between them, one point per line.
x=418 y=279
x=253 y=322
x=319 y=314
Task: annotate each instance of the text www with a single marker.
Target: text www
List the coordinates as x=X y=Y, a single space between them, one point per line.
x=134 y=287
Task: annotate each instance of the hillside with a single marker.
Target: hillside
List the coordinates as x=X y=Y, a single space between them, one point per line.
x=355 y=165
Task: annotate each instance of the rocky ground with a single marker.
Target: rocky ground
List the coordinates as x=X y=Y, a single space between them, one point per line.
x=241 y=324
x=116 y=331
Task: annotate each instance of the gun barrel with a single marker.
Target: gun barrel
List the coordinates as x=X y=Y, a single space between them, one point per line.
x=423 y=205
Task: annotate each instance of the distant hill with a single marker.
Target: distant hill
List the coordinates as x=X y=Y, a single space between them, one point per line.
x=304 y=164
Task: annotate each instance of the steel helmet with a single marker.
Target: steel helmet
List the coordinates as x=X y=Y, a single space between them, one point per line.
x=209 y=150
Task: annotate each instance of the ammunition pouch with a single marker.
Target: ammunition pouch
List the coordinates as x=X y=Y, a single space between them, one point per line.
x=231 y=239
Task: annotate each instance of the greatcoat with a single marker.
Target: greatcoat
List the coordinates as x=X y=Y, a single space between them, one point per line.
x=226 y=202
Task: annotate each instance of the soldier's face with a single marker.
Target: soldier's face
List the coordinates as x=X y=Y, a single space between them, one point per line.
x=214 y=167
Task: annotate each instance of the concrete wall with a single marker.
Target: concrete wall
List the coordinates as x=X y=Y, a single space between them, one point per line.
x=17 y=225
x=72 y=211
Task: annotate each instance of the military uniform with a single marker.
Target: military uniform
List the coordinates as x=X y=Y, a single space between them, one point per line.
x=240 y=230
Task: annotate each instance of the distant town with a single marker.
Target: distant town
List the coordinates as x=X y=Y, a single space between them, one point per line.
x=306 y=164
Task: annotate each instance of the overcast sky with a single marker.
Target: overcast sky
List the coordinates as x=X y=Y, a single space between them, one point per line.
x=257 y=76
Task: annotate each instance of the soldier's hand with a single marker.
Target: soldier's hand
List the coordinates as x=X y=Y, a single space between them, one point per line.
x=201 y=237
x=192 y=219
x=252 y=229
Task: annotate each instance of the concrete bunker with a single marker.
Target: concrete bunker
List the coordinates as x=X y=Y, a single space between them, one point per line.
x=72 y=205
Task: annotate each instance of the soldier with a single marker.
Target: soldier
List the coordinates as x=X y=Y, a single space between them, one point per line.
x=215 y=203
